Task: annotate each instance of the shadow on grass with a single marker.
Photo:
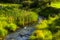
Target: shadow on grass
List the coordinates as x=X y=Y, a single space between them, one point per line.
x=49 y=11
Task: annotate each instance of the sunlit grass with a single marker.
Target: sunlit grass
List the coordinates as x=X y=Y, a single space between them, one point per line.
x=55 y=4
x=10 y=5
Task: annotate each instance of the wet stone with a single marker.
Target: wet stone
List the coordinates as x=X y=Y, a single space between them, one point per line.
x=23 y=34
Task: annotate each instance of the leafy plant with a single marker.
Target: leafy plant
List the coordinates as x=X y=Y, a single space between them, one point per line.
x=11 y=19
x=3 y=32
x=11 y=27
x=25 y=17
x=41 y=35
x=3 y=24
x=43 y=25
x=53 y=24
x=56 y=36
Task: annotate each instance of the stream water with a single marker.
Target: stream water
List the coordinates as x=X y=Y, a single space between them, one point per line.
x=22 y=34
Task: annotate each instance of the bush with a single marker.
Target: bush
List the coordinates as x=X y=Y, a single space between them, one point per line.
x=18 y=16
x=11 y=17
x=6 y=22
x=52 y=23
x=26 y=17
x=41 y=35
x=43 y=25
x=3 y=32
x=3 y=24
x=32 y=38
x=11 y=27
x=56 y=36
x=3 y=17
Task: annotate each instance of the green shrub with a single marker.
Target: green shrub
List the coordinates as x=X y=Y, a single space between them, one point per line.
x=41 y=35
x=3 y=24
x=32 y=38
x=52 y=23
x=25 y=17
x=3 y=32
x=46 y=23
x=11 y=16
x=43 y=25
x=56 y=36
x=11 y=27
x=11 y=19
x=9 y=9
x=3 y=17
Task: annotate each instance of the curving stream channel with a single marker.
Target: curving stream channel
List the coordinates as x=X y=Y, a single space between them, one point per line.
x=21 y=34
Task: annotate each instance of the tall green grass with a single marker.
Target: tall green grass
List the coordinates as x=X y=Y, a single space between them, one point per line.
x=11 y=16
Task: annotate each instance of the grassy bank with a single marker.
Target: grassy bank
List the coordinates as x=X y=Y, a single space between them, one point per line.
x=12 y=17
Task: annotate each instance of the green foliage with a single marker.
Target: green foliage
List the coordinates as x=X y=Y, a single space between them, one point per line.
x=45 y=24
x=3 y=32
x=26 y=17
x=32 y=38
x=11 y=17
x=3 y=21
x=42 y=25
x=11 y=27
x=41 y=35
x=4 y=24
x=56 y=36
x=34 y=4
x=2 y=18
x=52 y=24
x=14 y=14
x=48 y=12
x=55 y=4
x=46 y=28
x=52 y=19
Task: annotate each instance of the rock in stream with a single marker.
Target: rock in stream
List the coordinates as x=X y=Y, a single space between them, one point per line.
x=22 y=34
